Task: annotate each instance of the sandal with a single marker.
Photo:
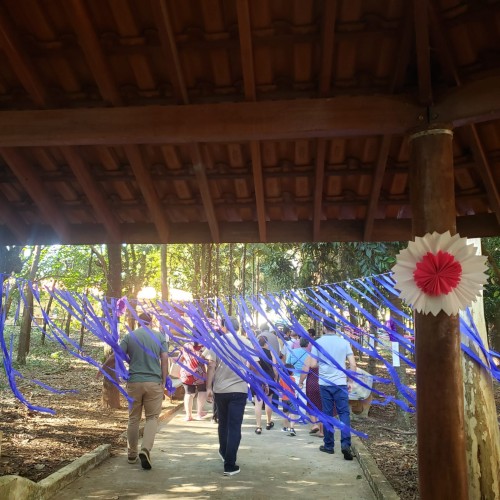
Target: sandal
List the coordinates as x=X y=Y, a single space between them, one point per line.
x=258 y=430
x=314 y=430
x=269 y=426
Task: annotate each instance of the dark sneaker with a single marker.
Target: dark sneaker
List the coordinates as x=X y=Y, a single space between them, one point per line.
x=231 y=471
x=347 y=452
x=292 y=432
x=327 y=450
x=145 y=459
x=284 y=429
x=131 y=459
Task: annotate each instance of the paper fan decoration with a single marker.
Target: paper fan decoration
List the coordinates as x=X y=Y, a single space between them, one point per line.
x=439 y=272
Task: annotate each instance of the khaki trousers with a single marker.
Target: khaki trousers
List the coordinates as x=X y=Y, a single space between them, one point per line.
x=147 y=395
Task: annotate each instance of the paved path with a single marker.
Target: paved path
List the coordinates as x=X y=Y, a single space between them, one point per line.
x=186 y=465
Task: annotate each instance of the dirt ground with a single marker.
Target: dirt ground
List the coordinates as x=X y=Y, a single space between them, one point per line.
x=35 y=445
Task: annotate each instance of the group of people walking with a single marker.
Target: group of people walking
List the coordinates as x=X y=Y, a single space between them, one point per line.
x=311 y=381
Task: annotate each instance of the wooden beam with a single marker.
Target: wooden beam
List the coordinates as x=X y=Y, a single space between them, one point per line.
x=473 y=102
x=474 y=226
x=327 y=47
x=246 y=50
x=343 y=116
x=319 y=177
x=421 y=13
x=167 y=38
x=201 y=177
x=378 y=177
x=80 y=18
x=258 y=182
x=101 y=208
x=29 y=179
x=20 y=62
x=149 y=193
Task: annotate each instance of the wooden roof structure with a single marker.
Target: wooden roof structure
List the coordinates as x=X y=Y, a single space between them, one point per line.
x=240 y=120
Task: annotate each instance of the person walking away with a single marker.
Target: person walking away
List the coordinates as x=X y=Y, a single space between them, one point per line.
x=333 y=384
x=229 y=391
x=147 y=351
x=288 y=406
x=193 y=378
x=268 y=365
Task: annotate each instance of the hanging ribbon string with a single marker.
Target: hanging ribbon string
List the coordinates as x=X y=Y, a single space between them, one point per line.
x=349 y=303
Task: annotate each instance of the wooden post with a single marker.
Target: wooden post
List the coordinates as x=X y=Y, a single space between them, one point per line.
x=440 y=397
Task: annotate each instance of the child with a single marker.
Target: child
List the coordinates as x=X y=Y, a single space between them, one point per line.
x=288 y=406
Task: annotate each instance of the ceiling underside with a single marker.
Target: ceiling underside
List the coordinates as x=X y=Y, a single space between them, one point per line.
x=240 y=120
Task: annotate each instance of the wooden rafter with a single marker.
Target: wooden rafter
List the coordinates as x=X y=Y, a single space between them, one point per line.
x=91 y=190
x=247 y=63
x=199 y=168
x=481 y=160
x=327 y=47
x=404 y=52
x=378 y=177
x=421 y=13
x=484 y=169
x=149 y=193
x=12 y=220
x=21 y=63
x=318 y=186
x=258 y=182
x=246 y=49
x=167 y=38
x=29 y=179
x=79 y=14
x=383 y=154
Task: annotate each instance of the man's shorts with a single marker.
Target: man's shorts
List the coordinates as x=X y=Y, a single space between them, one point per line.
x=288 y=407
x=193 y=389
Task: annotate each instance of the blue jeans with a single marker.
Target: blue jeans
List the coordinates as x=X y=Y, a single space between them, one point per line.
x=336 y=395
x=230 y=411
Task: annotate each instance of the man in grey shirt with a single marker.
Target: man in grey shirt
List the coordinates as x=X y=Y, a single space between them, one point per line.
x=147 y=351
x=229 y=390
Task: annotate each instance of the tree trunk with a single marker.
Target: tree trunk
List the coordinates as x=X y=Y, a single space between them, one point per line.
x=164 y=272
x=115 y=271
x=47 y=310
x=372 y=362
x=217 y=271
x=230 y=286
x=67 y=326
x=481 y=426
x=402 y=417
x=110 y=394
x=25 y=332
x=82 y=326
x=244 y=271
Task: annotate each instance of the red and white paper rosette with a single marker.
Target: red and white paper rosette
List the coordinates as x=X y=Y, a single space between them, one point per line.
x=439 y=272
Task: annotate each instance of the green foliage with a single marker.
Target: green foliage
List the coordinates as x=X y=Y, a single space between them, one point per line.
x=491 y=248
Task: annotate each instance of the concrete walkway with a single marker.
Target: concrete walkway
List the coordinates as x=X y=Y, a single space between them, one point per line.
x=186 y=465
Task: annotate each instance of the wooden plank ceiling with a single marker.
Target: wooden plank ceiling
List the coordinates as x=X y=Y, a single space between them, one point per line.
x=240 y=120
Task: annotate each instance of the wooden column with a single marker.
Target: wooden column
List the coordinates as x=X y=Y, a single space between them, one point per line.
x=440 y=398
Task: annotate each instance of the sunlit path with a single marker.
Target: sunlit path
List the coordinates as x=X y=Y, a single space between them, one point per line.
x=186 y=465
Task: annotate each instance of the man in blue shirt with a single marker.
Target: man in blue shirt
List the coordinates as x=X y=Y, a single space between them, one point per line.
x=333 y=385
